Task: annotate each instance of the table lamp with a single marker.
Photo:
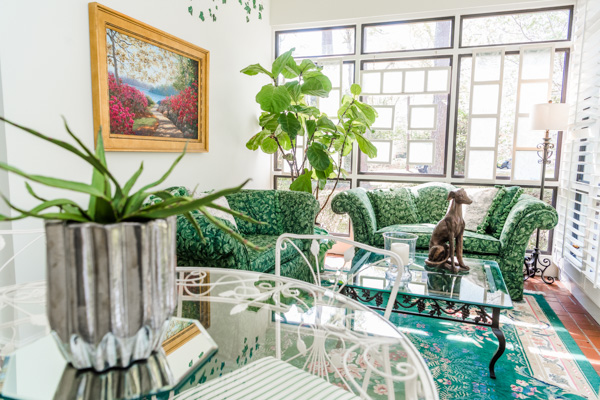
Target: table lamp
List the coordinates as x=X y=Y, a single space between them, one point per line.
x=546 y=116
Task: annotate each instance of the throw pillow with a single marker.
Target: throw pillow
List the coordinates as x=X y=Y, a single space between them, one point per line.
x=474 y=214
x=507 y=197
x=392 y=207
x=222 y=201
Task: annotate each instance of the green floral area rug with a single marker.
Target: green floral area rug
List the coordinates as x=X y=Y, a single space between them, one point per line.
x=541 y=361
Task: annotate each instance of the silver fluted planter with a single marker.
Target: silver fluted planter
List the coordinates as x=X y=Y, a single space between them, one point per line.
x=111 y=289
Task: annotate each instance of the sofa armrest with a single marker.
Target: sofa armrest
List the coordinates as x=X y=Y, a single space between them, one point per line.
x=297 y=212
x=356 y=203
x=526 y=215
x=216 y=244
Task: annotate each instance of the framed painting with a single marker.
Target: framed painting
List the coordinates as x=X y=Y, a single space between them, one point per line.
x=150 y=89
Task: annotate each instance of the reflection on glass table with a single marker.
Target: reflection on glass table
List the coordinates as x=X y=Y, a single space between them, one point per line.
x=476 y=296
x=255 y=320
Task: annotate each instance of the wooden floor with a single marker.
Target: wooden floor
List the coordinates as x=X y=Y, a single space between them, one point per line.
x=580 y=324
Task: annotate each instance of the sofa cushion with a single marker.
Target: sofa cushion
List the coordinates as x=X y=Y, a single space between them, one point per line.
x=393 y=206
x=264 y=261
x=505 y=199
x=475 y=214
x=431 y=201
x=474 y=242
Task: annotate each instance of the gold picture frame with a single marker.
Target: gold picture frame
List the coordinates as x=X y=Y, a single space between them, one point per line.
x=145 y=85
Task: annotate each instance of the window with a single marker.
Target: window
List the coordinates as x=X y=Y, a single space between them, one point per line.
x=449 y=110
x=511 y=27
x=512 y=138
x=408 y=35
x=317 y=42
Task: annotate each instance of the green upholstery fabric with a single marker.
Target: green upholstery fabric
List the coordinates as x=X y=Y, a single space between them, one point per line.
x=505 y=240
x=507 y=198
x=282 y=212
x=431 y=201
x=393 y=206
x=477 y=243
x=356 y=203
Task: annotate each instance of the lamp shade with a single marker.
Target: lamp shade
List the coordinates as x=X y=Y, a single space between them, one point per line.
x=549 y=116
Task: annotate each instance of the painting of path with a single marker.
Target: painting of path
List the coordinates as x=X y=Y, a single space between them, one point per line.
x=152 y=91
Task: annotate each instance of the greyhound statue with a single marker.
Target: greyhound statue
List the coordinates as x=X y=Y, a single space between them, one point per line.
x=447 y=237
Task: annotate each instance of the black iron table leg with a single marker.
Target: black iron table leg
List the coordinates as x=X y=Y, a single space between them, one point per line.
x=501 y=340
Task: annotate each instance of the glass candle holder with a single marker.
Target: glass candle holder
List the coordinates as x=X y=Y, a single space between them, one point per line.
x=402 y=243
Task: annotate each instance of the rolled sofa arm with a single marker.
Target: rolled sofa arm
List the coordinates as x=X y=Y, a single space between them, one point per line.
x=296 y=212
x=356 y=203
x=526 y=215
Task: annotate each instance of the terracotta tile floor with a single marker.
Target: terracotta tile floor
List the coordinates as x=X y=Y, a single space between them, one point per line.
x=580 y=324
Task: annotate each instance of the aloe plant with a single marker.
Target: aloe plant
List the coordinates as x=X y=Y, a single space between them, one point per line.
x=109 y=201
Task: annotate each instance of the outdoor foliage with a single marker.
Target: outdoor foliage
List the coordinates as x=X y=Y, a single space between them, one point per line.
x=287 y=115
x=126 y=103
x=109 y=201
x=182 y=109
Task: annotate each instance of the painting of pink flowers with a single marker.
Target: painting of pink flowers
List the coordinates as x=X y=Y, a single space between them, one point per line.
x=152 y=91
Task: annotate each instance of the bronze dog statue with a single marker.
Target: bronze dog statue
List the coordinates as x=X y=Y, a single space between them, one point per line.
x=447 y=237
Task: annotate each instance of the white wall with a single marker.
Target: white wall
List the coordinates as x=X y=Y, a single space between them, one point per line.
x=287 y=12
x=45 y=67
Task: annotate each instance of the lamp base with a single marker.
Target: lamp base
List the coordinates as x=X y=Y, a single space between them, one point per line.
x=531 y=267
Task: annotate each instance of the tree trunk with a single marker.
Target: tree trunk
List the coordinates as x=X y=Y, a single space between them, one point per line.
x=111 y=35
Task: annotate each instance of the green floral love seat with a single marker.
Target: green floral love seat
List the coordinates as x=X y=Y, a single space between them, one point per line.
x=281 y=211
x=503 y=236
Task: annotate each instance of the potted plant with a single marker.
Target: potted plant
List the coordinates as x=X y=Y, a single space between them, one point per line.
x=287 y=115
x=110 y=266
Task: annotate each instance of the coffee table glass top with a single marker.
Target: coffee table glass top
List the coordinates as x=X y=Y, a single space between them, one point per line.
x=482 y=285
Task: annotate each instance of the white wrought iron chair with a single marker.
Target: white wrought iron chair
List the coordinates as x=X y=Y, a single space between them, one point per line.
x=22 y=305
x=406 y=372
x=287 y=239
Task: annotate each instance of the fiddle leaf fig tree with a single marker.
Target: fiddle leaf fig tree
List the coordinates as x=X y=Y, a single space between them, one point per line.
x=288 y=109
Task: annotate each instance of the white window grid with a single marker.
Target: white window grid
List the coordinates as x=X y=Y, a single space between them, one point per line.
x=470 y=149
x=519 y=113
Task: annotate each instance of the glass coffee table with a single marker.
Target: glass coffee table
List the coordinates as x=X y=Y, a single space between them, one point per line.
x=475 y=297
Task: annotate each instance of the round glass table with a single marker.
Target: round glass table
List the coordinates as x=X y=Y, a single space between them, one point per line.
x=312 y=336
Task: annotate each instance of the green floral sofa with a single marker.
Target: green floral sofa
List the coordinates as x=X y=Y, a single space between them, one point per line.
x=282 y=211
x=503 y=236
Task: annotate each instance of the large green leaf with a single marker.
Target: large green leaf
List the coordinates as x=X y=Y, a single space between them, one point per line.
x=294 y=90
x=317 y=85
x=303 y=183
x=291 y=69
x=355 y=89
x=273 y=99
x=284 y=140
x=269 y=145
x=256 y=140
x=269 y=121
x=368 y=111
x=366 y=146
x=290 y=124
x=281 y=61
x=325 y=124
x=256 y=69
x=311 y=127
x=310 y=111
x=318 y=157
x=307 y=65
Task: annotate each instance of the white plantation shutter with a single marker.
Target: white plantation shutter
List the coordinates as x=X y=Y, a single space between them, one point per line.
x=577 y=244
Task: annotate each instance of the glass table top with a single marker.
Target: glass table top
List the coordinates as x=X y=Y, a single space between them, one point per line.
x=482 y=285
x=251 y=317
